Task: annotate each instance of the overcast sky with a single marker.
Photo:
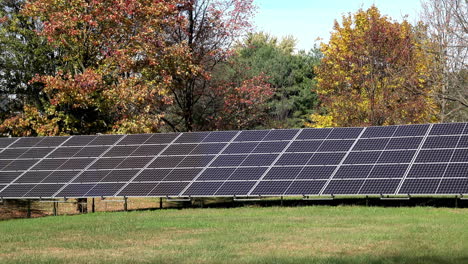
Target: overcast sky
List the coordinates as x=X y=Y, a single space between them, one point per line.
x=308 y=20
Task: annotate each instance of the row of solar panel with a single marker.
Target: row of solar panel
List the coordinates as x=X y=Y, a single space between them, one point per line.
x=427 y=170
x=243 y=188
x=226 y=136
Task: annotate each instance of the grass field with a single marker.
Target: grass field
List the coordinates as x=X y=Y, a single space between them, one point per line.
x=315 y=234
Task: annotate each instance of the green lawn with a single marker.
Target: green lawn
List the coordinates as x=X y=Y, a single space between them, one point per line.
x=318 y=234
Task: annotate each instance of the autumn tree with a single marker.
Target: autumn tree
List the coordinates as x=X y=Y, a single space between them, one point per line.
x=118 y=65
x=447 y=23
x=210 y=29
x=375 y=72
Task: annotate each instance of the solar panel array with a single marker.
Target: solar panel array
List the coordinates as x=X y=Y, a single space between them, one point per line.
x=430 y=159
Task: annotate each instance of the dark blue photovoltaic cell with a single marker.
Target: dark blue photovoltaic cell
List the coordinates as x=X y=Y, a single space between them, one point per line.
x=247 y=174
x=36 y=153
x=228 y=160
x=460 y=155
x=376 y=132
x=463 y=142
x=51 y=142
x=240 y=148
x=119 y=175
x=220 y=136
x=388 y=171
x=457 y=170
x=192 y=137
x=419 y=186
x=453 y=186
x=314 y=133
x=134 y=139
x=400 y=156
x=4 y=163
x=344 y=187
x=16 y=190
x=166 y=162
x=60 y=177
x=75 y=164
x=345 y=132
x=304 y=146
x=12 y=153
x=137 y=189
x=91 y=176
x=441 y=142
x=26 y=142
x=168 y=188
x=33 y=177
x=67 y=152
x=427 y=170
x=386 y=186
x=294 y=159
x=435 y=155
x=75 y=190
x=252 y=135
x=203 y=188
x=195 y=161
x=152 y=175
x=44 y=190
x=363 y=157
x=371 y=144
x=104 y=189
x=161 y=138
x=282 y=173
x=148 y=150
x=335 y=145
x=88 y=152
x=270 y=147
x=271 y=187
x=79 y=141
x=353 y=171
x=7 y=177
x=404 y=143
x=120 y=151
x=105 y=140
x=18 y=165
x=316 y=172
x=182 y=175
x=411 y=130
x=216 y=174
x=5 y=142
x=235 y=188
x=447 y=129
x=259 y=160
x=212 y=148
x=106 y=163
x=179 y=149
x=326 y=159
x=281 y=134
x=305 y=188
x=134 y=163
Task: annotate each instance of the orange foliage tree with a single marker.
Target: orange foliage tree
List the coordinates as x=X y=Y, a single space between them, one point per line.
x=375 y=72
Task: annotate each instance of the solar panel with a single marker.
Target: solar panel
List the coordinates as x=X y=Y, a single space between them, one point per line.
x=412 y=159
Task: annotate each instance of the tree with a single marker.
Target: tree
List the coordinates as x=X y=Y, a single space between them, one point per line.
x=289 y=74
x=23 y=54
x=447 y=22
x=211 y=28
x=117 y=68
x=375 y=72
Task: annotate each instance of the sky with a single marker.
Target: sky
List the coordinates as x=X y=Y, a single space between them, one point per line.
x=307 y=20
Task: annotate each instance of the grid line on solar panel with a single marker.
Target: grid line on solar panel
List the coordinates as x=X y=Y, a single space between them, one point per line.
x=61 y=191
x=427 y=130
x=325 y=186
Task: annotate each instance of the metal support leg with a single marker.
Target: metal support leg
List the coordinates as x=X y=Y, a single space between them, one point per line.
x=93 y=206
x=367 y=201
x=28 y=212
x=160 y=203
x=125 y=204
x=281 y=203
x=55 y=208
x=456 y=202
x=201 y=203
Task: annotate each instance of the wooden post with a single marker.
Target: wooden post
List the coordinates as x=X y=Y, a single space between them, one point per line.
x=160 y=203
x=367 y=200
x=125 y=204
x=82 y=205
x=28 y=212
x=281 y=201
x=55 y=208
x=456 y=202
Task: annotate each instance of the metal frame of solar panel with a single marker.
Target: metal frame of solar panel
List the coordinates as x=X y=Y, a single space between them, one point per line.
x=428 y=159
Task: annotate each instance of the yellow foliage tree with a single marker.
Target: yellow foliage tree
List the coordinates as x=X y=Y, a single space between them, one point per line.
x=375 y=72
